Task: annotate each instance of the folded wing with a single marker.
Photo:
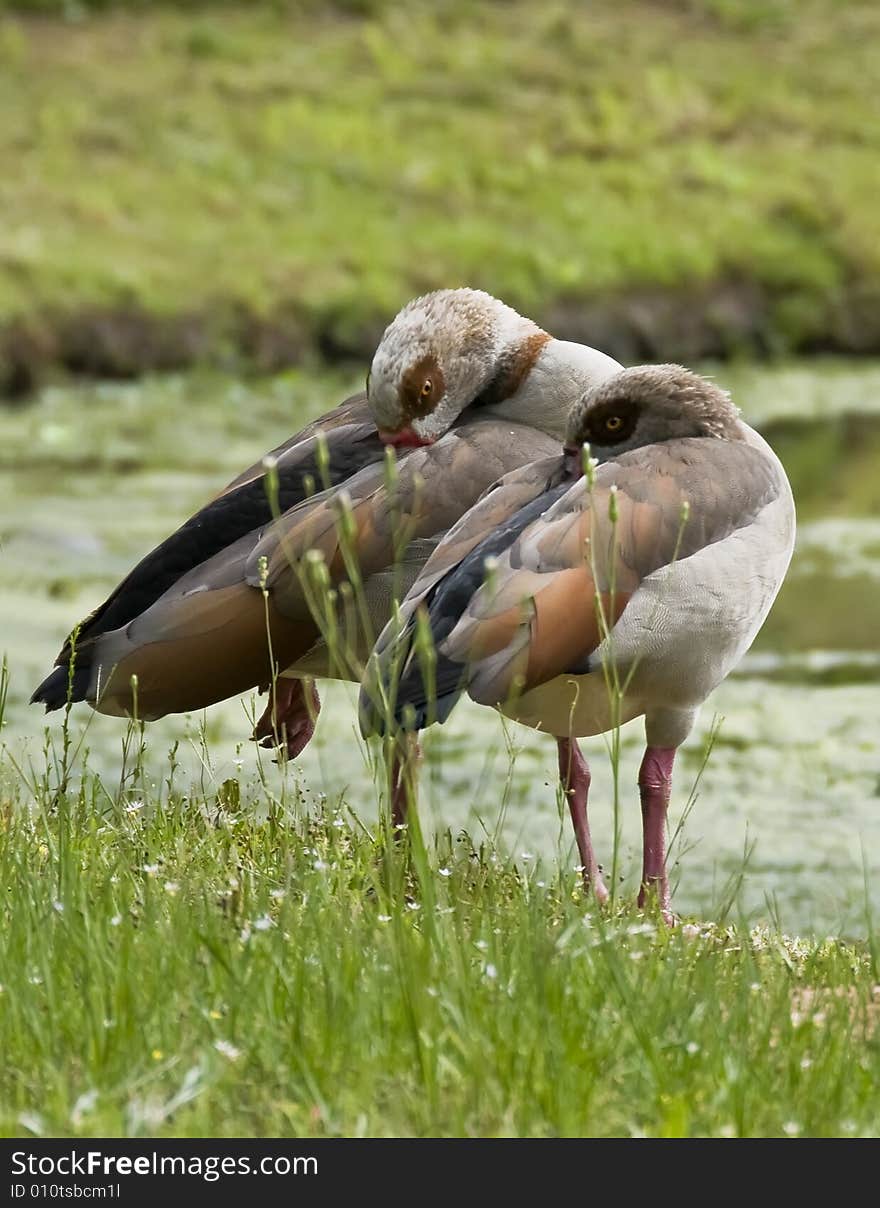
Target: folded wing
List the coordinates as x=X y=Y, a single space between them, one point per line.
x=245 y=506
x=537 y=596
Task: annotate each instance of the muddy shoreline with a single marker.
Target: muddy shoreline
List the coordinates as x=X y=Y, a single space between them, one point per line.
x=719 y=320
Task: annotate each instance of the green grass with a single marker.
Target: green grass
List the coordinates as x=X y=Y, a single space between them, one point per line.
x=182 y=961
x=319 y=165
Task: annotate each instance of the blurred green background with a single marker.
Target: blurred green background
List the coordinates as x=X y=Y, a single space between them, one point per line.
x=254 y=185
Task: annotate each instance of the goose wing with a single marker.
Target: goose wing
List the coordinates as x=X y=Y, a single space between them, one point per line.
x=537 y=596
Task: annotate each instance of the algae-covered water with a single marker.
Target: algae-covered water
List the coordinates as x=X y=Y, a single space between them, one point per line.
x=787 y=815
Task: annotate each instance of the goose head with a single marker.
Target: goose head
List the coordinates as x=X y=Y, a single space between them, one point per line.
x=648 y=404
x=454 y=348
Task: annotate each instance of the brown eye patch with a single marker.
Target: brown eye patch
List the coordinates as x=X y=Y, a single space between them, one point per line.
x=421 y=388
x=612 y=422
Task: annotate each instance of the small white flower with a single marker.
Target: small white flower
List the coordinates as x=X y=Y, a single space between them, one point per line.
x=263 y=923
x=151 y=869
x=445 y=872
x=35 y=980
x=431 y=991
x=33 y=1122
x=245 y=934
x=641 y=929
x=134 y=807
x=171 y=887
x=58 y=907
x=791 y=1128
x=227 y=1050
x=414 y=905
x=277 y=894
x=384 y=918
x=491 y=972
x=320 y=866
x=482 y=945
x=692 y=1048
x=84 y=1104
x=116 y=920
x=526 y=855
x=727 y=1130
x=806 y=1062
x=690 y=931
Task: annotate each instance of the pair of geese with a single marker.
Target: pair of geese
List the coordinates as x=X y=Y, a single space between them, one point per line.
x=573 y=590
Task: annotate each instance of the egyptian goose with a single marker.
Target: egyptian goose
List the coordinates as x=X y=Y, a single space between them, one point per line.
x=456 y=370
x=575 y=603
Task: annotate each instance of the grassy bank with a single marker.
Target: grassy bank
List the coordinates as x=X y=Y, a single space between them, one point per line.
x=265 y=182
x=319 y=987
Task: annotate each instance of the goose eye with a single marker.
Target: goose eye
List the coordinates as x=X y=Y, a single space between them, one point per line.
x=613 y=423
x=427 y=389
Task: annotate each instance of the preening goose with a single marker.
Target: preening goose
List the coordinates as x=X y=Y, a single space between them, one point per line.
x=575 y=603
x=456 y=371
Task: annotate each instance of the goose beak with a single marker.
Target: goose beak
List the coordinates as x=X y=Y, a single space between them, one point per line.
x=405 y=438
x=574 y=460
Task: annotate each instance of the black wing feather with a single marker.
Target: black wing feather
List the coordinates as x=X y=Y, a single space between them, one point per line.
x=419 y=702
x=241 y=510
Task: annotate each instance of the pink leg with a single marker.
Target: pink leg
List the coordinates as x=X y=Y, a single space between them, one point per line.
x=574 y=773
x=403 y=781
x=655 y=785
x=289 y=718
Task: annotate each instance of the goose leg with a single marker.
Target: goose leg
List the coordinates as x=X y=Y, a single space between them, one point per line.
x=655 y=785
x=404 y=762
x=574 y=772
x=290 y=716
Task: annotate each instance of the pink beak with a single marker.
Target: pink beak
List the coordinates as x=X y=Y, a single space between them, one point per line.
x=405 y=438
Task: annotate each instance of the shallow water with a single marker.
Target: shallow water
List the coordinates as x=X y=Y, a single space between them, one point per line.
x=91 y=477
